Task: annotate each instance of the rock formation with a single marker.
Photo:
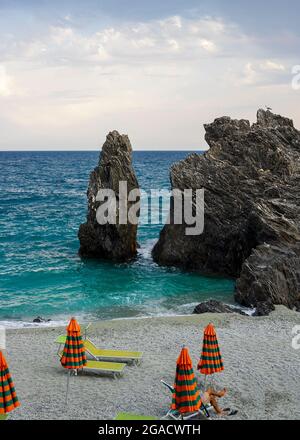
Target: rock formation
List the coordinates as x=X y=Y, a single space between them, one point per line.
x=264 y=308
x=110 y=241
x=213 y=306
x=39 y=320
x=251 y=177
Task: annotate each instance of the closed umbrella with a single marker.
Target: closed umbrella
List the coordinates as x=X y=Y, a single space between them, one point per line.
x=8 y=397
x=211 y=359
x=186 y=396
x=73 y=356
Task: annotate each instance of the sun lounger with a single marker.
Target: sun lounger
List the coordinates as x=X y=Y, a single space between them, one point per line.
x=124 y=356
x=116 y=369
x=3 y=416
x=129 y=416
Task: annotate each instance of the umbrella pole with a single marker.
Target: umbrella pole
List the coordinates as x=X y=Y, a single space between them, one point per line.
x=68 y=383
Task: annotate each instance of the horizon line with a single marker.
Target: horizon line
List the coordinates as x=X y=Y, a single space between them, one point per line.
x=90 y=151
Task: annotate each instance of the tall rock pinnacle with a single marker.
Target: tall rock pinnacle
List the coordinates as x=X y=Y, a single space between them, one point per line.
x=110 y=241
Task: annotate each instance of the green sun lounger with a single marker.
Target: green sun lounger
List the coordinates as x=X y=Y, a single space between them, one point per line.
x=3 y=416
x=129 y=416
x=125 y=356
x=116 y=369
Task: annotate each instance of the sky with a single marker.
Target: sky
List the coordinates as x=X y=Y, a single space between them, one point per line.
x=71 y=71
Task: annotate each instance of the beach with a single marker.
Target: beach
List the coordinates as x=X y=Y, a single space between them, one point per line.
x=262 y=369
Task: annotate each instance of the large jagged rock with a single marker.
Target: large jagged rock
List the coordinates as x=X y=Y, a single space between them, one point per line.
x=251 y=177
x=115 y=242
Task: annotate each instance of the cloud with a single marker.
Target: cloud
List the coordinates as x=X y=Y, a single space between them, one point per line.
x=143 y=40
x=249 y=74
x=6 y=83
x=62 y=35
x=267 y=72
x=207 y=45
x=171 y=22
x=157 y=79
x=174 y=45
x=273 y=66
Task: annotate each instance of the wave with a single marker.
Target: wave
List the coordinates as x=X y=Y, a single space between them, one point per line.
x=14 y=324
x=141 y=313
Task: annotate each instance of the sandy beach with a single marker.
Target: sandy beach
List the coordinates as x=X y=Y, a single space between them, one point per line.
x=262 y=369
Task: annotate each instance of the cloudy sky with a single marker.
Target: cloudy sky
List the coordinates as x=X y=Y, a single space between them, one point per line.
x=70 y=71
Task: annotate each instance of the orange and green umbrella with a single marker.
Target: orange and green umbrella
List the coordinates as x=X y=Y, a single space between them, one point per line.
x=186 y=397
x=73 y=356
x=8 y=397
x=211 y=359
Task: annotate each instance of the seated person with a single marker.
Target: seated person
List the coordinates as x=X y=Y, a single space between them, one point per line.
x=210 y=397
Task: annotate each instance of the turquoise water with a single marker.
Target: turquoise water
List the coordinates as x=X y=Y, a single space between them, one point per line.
x=42 y=203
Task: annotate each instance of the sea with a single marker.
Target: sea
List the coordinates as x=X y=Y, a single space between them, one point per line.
x=42 y=203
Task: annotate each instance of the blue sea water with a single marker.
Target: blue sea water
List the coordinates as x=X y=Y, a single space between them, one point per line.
x=42 y=204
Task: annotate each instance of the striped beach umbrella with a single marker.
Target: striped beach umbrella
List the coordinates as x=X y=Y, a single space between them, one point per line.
x=8 y=397
x=186 y=396
x=211 y=359
x=73 y=356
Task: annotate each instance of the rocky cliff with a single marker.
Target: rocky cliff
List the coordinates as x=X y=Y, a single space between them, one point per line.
x=110 y=241
x=251 y=177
